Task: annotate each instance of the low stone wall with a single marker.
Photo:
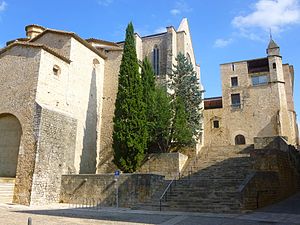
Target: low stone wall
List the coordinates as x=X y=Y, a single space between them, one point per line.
x=166 y=164
x=276 y=174
x=278 y=143
x=101 y=188
x=260 y=189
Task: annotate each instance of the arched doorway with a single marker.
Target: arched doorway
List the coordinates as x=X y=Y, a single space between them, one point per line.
x=10 y=137
x=240 y=140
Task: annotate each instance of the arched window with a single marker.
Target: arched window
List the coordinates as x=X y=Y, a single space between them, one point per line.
x=274 y=66
x=96 y=62
x=188 y=57
x=156 y=60
x=240 y=140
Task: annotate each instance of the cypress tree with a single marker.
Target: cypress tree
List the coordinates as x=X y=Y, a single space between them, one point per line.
x=130 y=130
x=148 y=82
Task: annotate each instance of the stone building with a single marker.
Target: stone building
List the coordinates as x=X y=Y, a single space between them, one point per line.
x=57 y=104
x=257 y=101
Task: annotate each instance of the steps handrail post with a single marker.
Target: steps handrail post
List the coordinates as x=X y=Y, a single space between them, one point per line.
x=159 y=204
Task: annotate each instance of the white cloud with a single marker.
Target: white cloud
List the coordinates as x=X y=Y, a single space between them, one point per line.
x=221 y=43
x=105 y=2
x=180 y=7
x=269 y=14
x=160 y=30
x=175 y=12
x=3 y=5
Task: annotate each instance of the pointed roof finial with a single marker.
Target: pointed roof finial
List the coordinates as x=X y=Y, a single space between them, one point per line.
x=271 y=38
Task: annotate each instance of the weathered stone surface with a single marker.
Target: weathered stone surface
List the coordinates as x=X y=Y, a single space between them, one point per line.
x=276 y=174
x=61 y=90
x=265 y=110
x=55 y=155
x=101 y=188
x=167 y=164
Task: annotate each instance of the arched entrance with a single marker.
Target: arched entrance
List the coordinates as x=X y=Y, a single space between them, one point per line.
x=10 y=137
x=240 y=140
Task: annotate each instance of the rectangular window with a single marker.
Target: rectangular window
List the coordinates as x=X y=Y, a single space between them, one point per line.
x=259 y=80
x=235 y=100
x=234 y=81
x=216 y=124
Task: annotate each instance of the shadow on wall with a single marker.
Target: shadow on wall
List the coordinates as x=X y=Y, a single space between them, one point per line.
x=270 y=130
x=89 y=152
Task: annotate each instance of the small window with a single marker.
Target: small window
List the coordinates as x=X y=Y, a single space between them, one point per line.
x=234 y=81
x=56 y=70
x=259 y=80
x=235 y=100
x=96 y=62
x=274 y=66
x=216 y=124
x=232 y=67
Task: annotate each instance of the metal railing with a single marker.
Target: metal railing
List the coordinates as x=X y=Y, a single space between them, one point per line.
x=164 y=194
x=173 y=181
x=89 y=203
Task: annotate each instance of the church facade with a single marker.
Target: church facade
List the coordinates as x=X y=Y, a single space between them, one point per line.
x=58 y=95
x=56 y=111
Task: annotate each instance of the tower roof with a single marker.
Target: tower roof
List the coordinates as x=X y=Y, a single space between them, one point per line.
x=272 y=44
x=273 y=49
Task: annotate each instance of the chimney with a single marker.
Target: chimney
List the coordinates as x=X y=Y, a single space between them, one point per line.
x=33 y=30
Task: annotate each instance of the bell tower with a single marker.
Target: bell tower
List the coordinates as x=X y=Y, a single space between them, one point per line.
x=277 y=82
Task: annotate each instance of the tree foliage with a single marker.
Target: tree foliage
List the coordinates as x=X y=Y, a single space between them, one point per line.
x=148 y=82
x=158 y=110
x=130 y=128
x=187 y=97
x=162 y=118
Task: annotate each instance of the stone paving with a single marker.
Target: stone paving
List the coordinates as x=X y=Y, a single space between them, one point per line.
x=284 y=213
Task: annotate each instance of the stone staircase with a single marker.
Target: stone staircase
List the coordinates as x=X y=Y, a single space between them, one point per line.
x=6 y=189
x=209 y=183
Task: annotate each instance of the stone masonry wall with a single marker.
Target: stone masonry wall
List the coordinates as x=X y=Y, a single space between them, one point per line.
x=76 y=91
x=277 y=173
x=55 y=155
x=132 y=189
x=111 y=74
x=167 y=164
x=263 y=110
x=19 y=67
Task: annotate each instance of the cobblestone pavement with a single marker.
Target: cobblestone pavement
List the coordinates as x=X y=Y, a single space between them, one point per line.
x=283 y=213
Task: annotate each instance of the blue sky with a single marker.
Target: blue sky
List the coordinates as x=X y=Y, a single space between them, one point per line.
x=222 y=31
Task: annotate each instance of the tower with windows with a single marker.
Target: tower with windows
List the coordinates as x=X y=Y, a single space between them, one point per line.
x=257 y=101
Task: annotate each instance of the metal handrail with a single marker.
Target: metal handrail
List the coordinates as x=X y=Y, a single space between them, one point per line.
x=174 y=179
x=165 y=191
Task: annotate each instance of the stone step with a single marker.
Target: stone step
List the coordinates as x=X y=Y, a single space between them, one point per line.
x=203 y=208
x=7 y=180
x=6 y=189
x=209 y=182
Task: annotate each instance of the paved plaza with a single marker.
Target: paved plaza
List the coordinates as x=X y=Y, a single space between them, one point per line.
x=284 y=213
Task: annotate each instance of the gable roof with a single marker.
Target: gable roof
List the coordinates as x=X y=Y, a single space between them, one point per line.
x=34 y=45
x=73 y=35
x=101 y=42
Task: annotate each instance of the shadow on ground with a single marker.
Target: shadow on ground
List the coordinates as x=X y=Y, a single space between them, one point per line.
x=109 y=215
